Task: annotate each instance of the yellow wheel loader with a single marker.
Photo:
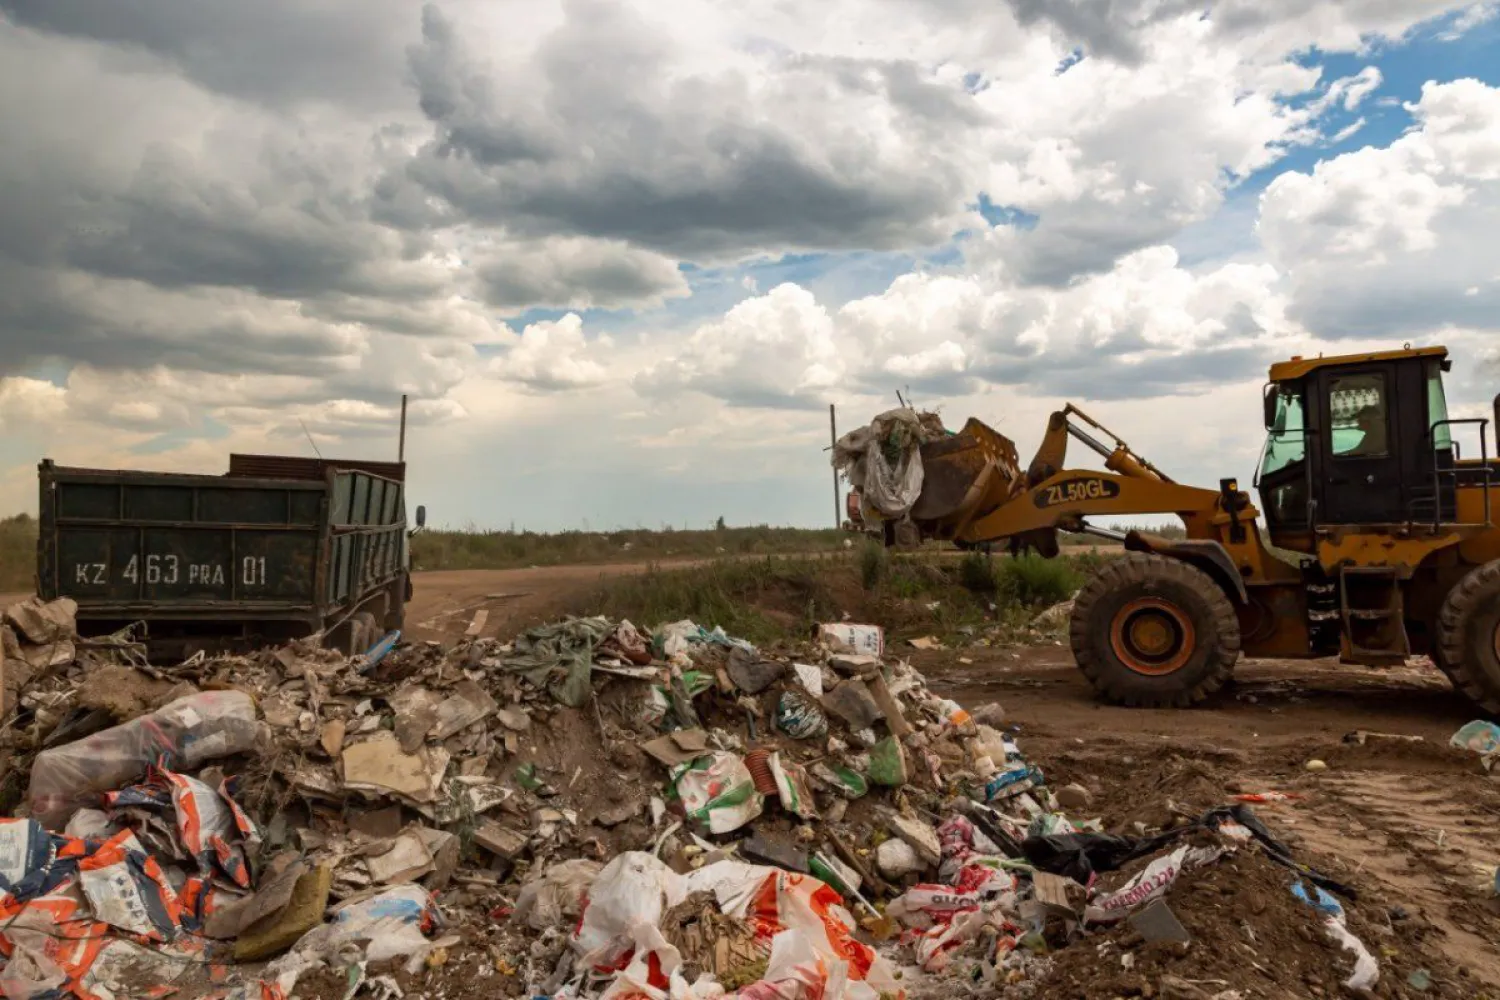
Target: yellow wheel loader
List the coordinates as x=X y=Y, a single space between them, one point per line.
x=1379 y=540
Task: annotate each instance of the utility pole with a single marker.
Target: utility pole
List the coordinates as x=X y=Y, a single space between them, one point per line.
x=833 y=439
x=401 y=442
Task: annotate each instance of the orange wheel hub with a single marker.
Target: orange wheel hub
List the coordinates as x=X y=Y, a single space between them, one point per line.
x=1152 y=636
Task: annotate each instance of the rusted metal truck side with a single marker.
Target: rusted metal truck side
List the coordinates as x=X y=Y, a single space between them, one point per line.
x=278 y=548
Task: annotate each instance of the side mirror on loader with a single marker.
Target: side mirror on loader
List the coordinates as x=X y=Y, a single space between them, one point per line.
x=1269 y=405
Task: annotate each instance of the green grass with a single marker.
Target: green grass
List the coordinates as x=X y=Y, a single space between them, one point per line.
x=17 y=553
x=433 y=550
x=756 y=599
x=782 y=597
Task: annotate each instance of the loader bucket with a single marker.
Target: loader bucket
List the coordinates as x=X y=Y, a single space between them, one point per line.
x=964 y=475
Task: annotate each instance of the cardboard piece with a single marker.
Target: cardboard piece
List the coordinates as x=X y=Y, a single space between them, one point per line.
x=681 y=747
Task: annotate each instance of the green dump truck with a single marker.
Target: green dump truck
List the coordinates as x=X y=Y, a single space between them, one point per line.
x=278 y=548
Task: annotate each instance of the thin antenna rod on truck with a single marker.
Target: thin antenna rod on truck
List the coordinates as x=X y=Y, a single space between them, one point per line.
x=401 y=441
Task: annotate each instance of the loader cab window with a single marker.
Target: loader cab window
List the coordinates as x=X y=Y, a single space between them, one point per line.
x=1283 y=469
x=1286 y=442
x=1360 y=416
x=1437 y=409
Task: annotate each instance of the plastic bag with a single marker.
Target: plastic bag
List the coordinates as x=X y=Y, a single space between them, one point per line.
x=1151 y=883
x=25 y=849
x=207 y=827
x=556 y=893
x=1366 y=969
x=633 y=891
x=391 y=924
x=796 y=971
x=793 y=788
x=186 y=733
x=800 y=717
x=1483 y=738
x=127 y=889
x=855 y=640
x=719 y=790
x=773 y=901
x=1012 y=782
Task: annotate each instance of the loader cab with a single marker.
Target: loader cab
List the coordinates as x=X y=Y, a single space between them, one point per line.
x=1354 y=440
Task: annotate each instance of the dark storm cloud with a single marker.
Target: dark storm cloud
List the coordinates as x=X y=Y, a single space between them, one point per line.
x=43 y=319
x=595 y=138
x=287 y=233
x=577 y=274
x=1109 y=29
x=277 y=52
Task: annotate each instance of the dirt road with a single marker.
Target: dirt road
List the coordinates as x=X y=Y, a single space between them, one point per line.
x=1414 y=824
x=447 y=603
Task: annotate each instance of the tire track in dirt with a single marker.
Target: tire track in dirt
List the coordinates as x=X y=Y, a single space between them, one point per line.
x=1431 y=842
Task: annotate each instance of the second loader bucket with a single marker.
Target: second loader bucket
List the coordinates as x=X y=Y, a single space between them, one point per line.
x=964 y=475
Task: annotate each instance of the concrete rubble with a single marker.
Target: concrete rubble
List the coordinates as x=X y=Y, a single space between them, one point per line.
x=589 y=811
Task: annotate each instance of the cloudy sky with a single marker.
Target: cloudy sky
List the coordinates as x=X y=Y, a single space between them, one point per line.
x=624 y=253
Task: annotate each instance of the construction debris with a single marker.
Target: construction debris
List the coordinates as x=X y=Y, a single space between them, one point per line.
x=604 y=813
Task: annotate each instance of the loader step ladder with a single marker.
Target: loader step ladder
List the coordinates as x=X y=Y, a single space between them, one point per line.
x=1373 y=614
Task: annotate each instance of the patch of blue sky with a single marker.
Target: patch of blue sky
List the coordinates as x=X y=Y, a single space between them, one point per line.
x=1436 y=51
x=1004 y=215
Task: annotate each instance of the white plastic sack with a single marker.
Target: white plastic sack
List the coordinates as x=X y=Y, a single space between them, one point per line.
x=632 y=892
x=718 y=789
x=188 y=732
x=856 y=640
x=1366 y=970
x=1151 y=883
x=886 y=489
x=390 y=924
x=30 y=975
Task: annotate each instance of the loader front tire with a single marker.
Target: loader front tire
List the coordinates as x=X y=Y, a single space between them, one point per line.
x=1469 y=637
x=1153 y=632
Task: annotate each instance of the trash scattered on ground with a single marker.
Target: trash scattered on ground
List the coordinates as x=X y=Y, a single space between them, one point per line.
x=1483 y=738
x=591 y=811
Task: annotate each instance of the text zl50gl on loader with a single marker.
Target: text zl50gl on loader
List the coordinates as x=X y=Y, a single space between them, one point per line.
x=1361 y=475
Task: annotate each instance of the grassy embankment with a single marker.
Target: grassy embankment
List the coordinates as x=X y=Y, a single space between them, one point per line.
x=17 y=553
x=516 y=549
x=783 y=597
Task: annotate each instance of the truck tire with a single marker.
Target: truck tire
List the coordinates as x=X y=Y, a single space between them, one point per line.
x=1469 y=637
x=356 y=635
x=1153 y=632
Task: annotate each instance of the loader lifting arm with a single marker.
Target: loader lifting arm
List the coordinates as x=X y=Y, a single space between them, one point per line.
x=1053 y=498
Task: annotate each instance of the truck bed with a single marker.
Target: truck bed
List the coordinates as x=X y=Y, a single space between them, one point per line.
x=158 y=547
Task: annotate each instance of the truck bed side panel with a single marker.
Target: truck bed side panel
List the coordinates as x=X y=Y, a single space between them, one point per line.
x=136 y=540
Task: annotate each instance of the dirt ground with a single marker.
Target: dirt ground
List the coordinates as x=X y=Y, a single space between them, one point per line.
x=1411 y=824
x=445 y=603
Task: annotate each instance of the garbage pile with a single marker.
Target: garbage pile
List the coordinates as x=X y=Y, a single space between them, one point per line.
x=588 y=811
x=883 y=460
